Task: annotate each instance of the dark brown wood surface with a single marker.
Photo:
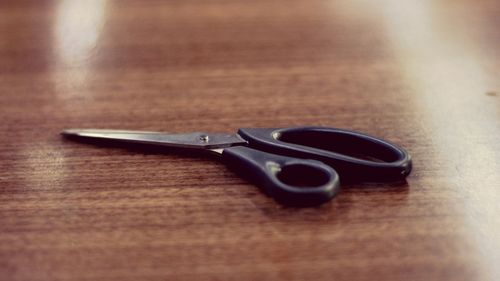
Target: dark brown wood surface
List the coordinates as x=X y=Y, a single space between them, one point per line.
x=423 y=74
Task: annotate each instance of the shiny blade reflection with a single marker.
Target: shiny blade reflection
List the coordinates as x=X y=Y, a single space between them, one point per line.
x=196 y=140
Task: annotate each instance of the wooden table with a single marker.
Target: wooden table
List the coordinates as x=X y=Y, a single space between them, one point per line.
x=423 y=74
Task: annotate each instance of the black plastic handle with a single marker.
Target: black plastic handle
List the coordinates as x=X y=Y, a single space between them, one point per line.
x=355 y=156
x=290 y=181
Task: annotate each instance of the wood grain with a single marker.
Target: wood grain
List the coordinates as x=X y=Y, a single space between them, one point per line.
x=423 y=74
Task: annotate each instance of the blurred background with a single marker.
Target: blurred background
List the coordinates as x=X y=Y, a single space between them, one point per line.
x=423 y=74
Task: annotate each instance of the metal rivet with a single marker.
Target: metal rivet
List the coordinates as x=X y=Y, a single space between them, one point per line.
x=204 y=138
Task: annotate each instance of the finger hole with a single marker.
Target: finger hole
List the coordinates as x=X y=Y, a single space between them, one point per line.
x=302 y=175
x=346 y=143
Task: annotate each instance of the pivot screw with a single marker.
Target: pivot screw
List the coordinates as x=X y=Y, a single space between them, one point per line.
x=204 y=138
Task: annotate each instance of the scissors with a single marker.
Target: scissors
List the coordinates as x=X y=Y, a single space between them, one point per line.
x=299 y=166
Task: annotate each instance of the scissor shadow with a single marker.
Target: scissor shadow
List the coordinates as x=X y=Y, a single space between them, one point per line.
x=354 y=202
x=342 y=206
x=400 y=185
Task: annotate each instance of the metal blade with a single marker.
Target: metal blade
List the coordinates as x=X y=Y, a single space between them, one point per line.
x=196 y=140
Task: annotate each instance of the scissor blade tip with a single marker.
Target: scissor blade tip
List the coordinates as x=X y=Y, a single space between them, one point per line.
x=71 y=132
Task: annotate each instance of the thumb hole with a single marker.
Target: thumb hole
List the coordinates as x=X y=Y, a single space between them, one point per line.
x=303 y=175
